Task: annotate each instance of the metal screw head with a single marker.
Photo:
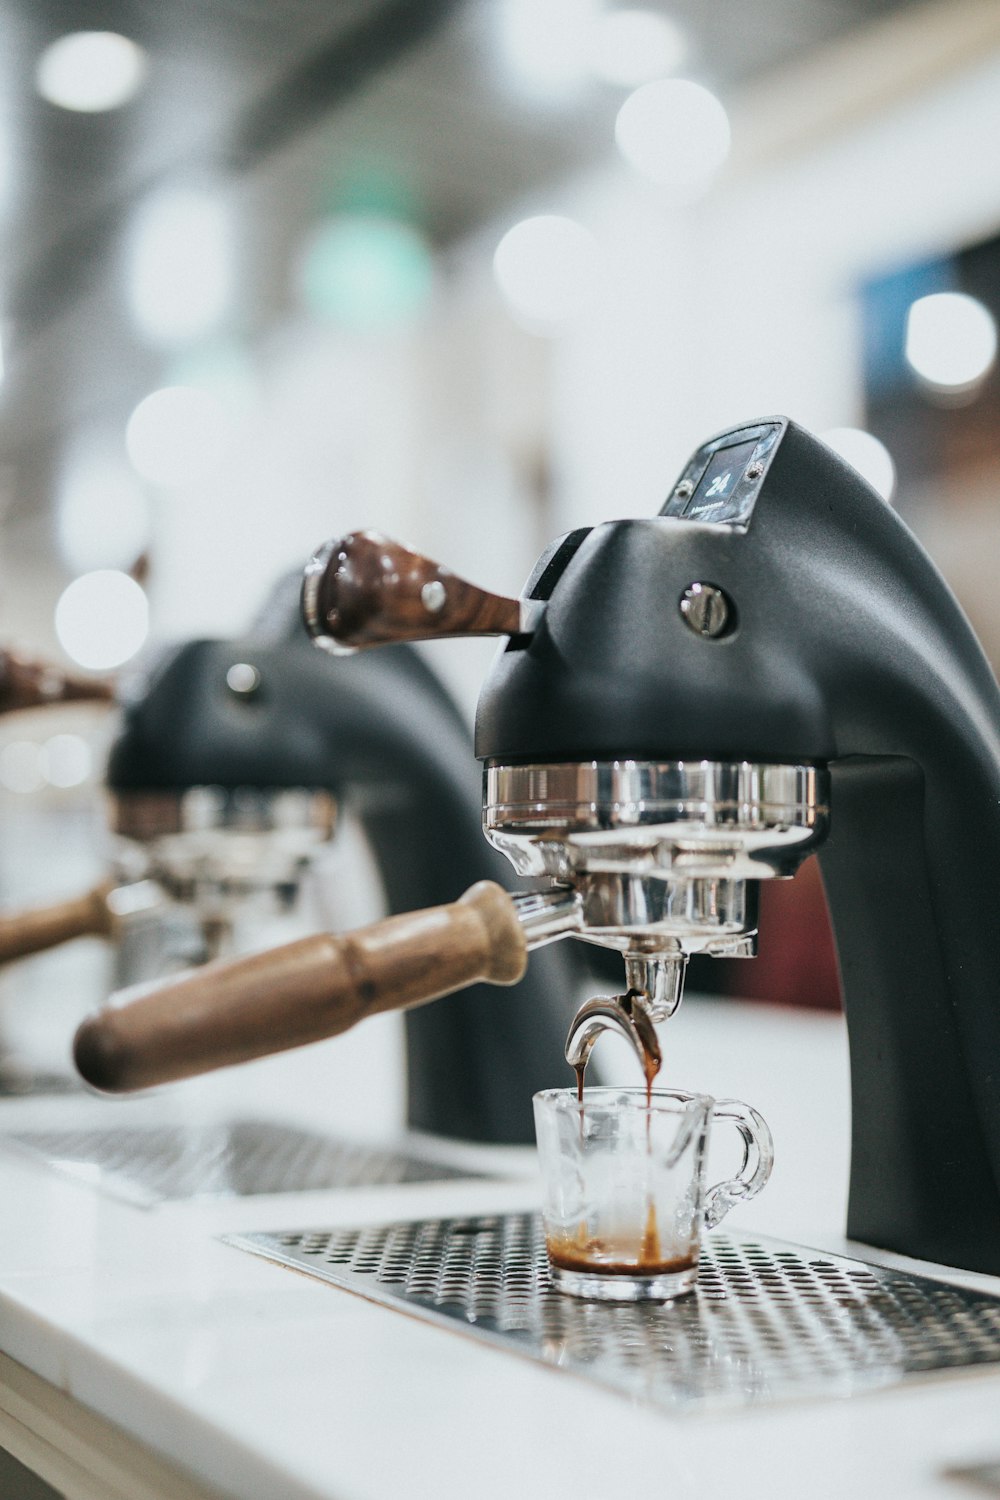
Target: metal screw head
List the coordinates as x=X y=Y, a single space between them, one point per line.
x=755 y=470
x=706 y=610
x=432 y=596
x=243 y=679
x=684 y=490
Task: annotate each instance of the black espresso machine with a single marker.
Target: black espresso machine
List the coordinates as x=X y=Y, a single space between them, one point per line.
x=234 y=767
x=685 y=706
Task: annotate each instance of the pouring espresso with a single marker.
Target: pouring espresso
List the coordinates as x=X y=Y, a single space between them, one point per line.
x=688 y=705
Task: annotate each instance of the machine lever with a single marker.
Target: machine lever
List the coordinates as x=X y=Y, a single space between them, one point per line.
x=29 y=683
x=365 y=590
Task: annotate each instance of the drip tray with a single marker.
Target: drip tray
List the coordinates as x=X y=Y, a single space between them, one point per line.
x=768 y=1320
x=236 y=1158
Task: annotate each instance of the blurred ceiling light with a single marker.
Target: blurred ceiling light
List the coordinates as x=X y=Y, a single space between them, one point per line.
x=630 y=47
x=66 y=760
x=951 y=340
x=102 y=619
x=549 y=43
x=548 y=269
x=178 y=435
x=863 y=451
x=674 y=132
x=20 y=768
x=90 y=71
x=179 y=266
x=364 y=271
x=102 y=518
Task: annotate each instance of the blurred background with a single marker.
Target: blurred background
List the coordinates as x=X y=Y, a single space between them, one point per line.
x=473 y=272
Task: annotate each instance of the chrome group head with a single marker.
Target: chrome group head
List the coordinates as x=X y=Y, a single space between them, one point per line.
x=661 y=859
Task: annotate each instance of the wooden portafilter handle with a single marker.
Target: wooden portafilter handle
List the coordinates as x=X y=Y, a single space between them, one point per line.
x=41 y=927
x=365 y=590
x=29 y=683
x=236 y=1009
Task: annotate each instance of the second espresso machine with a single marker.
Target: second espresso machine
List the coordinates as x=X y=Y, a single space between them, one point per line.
x=687 y=705
x=228 y=780
x=235 y=771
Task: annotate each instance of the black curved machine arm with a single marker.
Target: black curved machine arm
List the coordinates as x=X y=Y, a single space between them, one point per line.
x=779 y=611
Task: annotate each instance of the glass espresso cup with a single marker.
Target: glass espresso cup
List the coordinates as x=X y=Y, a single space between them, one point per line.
x=624 y=1200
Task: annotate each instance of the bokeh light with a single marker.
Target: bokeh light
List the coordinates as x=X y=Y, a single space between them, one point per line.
x=865 y=453
x=630 y=47
x=90 y=71
x=951 y=340
x=102 y=517
x=20 y=767
x=548 y=44
x=178 y=435
x=65 y=760
x=220 y=366
x=674 y=132
x=548 y=269
x=364 y=271
x=179 y=266
x=102 y=619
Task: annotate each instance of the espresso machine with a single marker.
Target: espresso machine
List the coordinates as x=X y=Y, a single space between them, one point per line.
x=184 y=873
x=34 y=684
x=225 y=784
x=28 y=682
x=685 y=706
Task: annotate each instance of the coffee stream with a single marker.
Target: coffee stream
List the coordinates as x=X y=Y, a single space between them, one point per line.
x=582 y=1252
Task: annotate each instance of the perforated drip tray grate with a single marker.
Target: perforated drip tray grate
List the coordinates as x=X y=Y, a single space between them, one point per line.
x=236 y=1158
x=767 y=1321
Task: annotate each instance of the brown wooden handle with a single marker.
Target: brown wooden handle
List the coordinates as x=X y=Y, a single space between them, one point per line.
x=233 y=1010
x=365 y=590
x=29 y=683
x=42 y=927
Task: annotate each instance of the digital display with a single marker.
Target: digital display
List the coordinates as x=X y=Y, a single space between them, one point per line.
x=713 y=499
x=723 y=479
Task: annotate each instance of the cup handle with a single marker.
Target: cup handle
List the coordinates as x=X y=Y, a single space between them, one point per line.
x=758 y=1159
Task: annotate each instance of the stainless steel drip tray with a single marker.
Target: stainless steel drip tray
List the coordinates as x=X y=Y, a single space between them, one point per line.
x=149 y=1164
x=768 y=1320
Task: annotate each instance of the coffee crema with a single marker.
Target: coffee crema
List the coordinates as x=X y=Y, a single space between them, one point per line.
x=613 y=1257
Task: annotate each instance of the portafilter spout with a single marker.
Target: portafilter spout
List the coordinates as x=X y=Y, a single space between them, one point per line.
x=626 y=1016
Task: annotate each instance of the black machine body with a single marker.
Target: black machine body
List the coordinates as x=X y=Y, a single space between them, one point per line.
x=779 y=613
x=251 y=716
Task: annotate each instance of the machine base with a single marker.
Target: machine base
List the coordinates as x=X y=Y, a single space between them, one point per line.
x=231 y=1158
x=767 y=1321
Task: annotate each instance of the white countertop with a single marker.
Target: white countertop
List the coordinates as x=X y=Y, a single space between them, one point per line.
x=267 y=1384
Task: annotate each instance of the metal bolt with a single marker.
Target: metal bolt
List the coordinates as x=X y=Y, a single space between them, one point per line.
x=755 y=470
x=706 y=610
x=432 y=596
x=684 y=490
x=243 y=679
